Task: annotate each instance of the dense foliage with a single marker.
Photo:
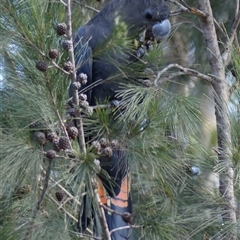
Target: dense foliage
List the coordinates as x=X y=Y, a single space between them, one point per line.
x=168 y=129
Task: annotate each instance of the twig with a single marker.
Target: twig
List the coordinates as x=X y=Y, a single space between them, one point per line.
x=237 y=8
x=100 y=106
x=120 y=228
x=46 y=180
x=61 y=1
x=125 y=227
x=86 y=6
x=106 y=233
x=216 y=150
x=178 y=11
x=195 y=11
x=79 y=123
x=188 y=9
x=170 y=77
x=61 y=207
x=24 y=38
x=63 y=189
x=120 y=214
x=22 y=225
x=57 y=112
x=187 y=71
x=233 y=87
x=226 y=53
x=184 y=7
x=70 y=39
x=63 y=128
x=85 y=235
x=54 y=63
x=60 y=156
x=94 y=84
x=110 y=210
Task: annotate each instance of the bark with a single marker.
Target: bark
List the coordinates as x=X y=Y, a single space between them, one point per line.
x=222 y=115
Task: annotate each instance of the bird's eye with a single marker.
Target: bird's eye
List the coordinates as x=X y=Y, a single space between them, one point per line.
x=148 y=15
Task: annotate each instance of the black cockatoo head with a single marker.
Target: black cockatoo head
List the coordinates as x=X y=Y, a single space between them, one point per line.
x=156 y=16
x=151 y=15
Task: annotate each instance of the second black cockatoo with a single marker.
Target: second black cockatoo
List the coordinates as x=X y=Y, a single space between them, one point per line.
x=100 y=63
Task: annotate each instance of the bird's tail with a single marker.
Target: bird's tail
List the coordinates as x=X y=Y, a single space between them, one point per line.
x=120 y=215
x=118 y=210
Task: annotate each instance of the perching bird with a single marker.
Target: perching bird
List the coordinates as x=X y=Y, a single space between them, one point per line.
x=126 y=19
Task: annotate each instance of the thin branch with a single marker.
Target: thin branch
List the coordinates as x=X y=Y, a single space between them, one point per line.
x=24 y=38
x=21 y=226
x=57 y=112
x=109 y=209
x=70 y=39
x=101 y=106
x=46 y=180
x=106 y=233
x=84 y=235
x=226 y=54
x=237 y=8
x=120 y=228
x=86 y=6
x=125 y=227
x=54 y=63
x=186 y=71
x=63 y=128
x=79 y=123
x=194 y=11
x=236 y=41
x=233 y=87
x=120 y=214
x=181 y=7
x=63 y=189
x=61 y=1
x=96 y=83
x=44 y=55
x=61 y=207
x=170 y=77
x=184 y=7
x=61 y=157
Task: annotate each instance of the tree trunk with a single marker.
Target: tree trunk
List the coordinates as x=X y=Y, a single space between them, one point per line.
x=222 y=115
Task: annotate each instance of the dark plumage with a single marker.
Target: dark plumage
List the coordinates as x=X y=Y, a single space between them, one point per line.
x=90 y=39
x=99 y=63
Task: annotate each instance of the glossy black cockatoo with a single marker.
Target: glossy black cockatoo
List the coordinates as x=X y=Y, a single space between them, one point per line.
x=100 y=63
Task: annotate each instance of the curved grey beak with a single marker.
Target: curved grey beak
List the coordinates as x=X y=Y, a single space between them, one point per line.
x=161 y=29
